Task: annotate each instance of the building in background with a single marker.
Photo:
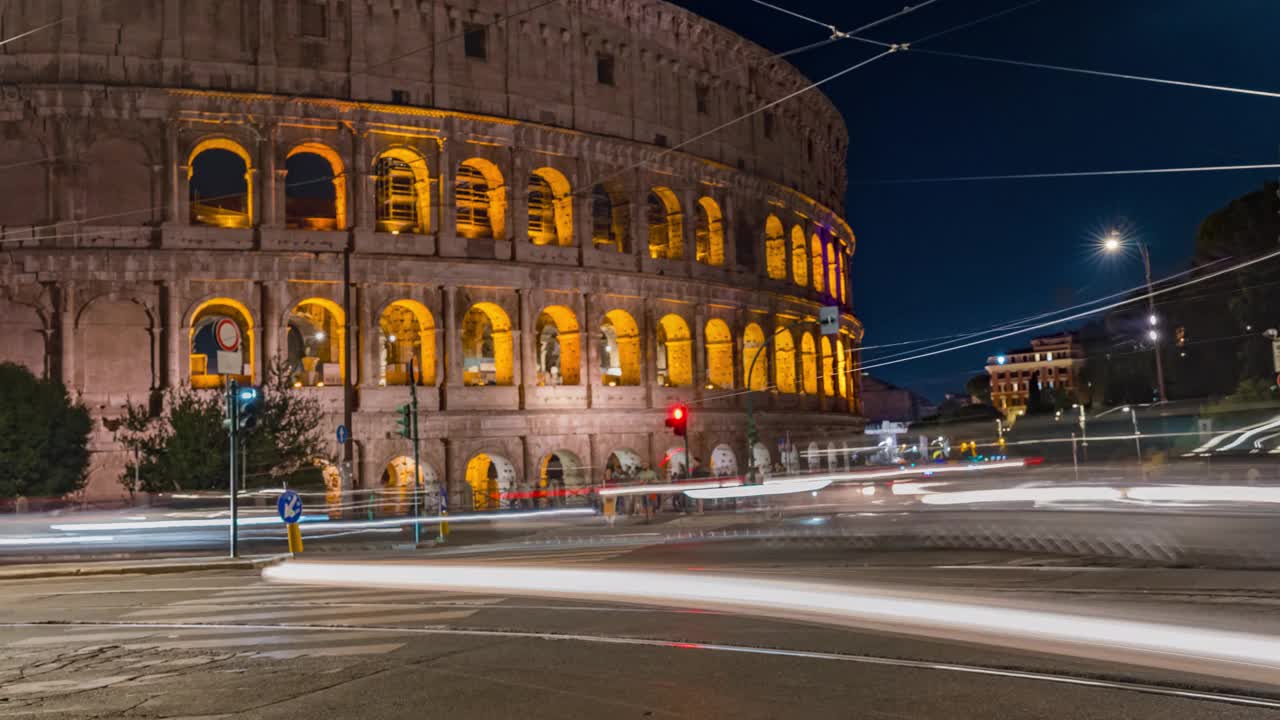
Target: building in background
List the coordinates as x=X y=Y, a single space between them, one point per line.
x=1053 y=361
x=885 y=401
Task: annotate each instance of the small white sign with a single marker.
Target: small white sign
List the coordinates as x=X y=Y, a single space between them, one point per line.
x=829 y=319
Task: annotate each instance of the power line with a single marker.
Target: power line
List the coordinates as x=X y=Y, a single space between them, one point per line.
x=35 y=30
x=971 y=23
x=1101 y=73
x=1084 y=173
x=795 y=14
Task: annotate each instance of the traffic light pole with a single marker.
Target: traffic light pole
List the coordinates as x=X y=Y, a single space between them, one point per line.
x=233 y=416
x=413 y=430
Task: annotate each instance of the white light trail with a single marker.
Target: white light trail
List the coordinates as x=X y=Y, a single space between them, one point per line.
x=1206 y=493
x=1025 y=494
x=59 y=540
x=668 y=487
x=745 y=491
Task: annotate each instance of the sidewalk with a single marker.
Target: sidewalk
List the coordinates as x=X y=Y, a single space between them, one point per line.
x=135 y=567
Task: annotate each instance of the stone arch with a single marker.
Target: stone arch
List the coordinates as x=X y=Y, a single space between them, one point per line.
x=808 y=364
x=799 y=257
x=665 y=222
x=307 y=204
x=396 y=491
x=828 y=368
x=488 y=352
x=406 y=330
x=402 y=191
x=623 y=462
x=709 y=233
x=489 y=476
x=25 y=179
x=205 y=357
x=753 y=347
x=118 y=183
x=619 y=349
x=815 y=257
x=775 y=249
x=23 y=327
x=558 y=344
x=674 y=462
x=675 y=352
x=784 y=354
x=833 y=288
x=316 y=331
x=813 y=457
x=230 y=209
x=550 y=204
x=480 y=200
x=610 y=217
x=842 y=382
x=719 y=340
x=762 y=459
x=724 y=462
x=115 y=349
x=834 y=461
x=561 y=477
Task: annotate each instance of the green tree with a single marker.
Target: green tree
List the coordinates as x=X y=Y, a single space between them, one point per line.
x=979 y=388
x=187 y=448
x=44 y=436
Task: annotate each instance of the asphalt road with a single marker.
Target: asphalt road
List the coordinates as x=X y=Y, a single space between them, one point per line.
x=228 y=644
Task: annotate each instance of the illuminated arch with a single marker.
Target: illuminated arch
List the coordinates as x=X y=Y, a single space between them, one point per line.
x=784 y=358
x=813 y=457
x=833 y=285
x=233 y=211
x=775 y=249
x=557 y=346
x=339 y=181
x=666 y=228
x=397 y=486
x=317 y=331
x=402 y=191
x=675 y=352
x=724 y=462
x=762 y=459
x=489 y=476
x=842 y=380
x=619 y=349
x=815 y=256
x=407 y=330
x=487 y=348
x=709 y=233
x=808 y=364
x=828 y=368
x=481 y=200
x=623 y=462
x=561 y=478
x=833 y=457
x=550 y=203
x=202 y=345
x=753 y=352
x=799 y=257
x=610 y=218
x=844 y=300
x=719 y=340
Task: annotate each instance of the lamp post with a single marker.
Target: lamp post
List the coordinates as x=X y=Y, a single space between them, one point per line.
x=1114 y=243
x=1137 y=435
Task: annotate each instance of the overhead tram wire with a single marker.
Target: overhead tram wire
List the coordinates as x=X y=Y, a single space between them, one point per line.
x=795 y=14
x=1070 y=174
x=971 y=23
x=35 y=30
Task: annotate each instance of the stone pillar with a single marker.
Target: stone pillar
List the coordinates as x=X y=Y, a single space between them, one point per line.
x=254 y=180
x=648 y=350
x=367 y=340
x=590 y=347
x=698 y=353
x=178 y=367
x=729 y=220
x=452 y=348
x=689 y=208
x=178 y=187
x=518 y=182
x=527 y=376
x=276 y=175
x=66 y=335
x=445 y=222
x=595 y=476
x=639 y=215
x=363 y=185
x=271 y=322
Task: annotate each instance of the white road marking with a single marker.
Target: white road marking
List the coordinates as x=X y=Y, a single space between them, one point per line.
x=373 y=614
x=372 y=649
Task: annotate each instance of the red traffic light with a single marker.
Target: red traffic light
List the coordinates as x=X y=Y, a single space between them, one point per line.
x=678 y=418
x=678 y=413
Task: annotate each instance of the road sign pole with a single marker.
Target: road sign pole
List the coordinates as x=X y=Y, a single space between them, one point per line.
x=413 y=410
x=233 y=414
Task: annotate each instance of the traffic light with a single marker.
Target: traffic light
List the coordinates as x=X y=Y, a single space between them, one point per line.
x=405 y=421
x=248 y=402
x=678 y=418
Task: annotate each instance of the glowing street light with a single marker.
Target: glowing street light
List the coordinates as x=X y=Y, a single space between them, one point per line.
x=1113 y=242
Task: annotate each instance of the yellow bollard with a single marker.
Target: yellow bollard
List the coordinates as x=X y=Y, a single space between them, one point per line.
x=444 y=525
x=295 y=538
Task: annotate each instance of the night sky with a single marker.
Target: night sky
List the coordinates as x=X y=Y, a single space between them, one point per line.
x=940 y=259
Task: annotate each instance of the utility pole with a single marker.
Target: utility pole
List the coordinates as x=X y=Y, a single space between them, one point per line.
x=1151 y=310
x=233 y=430
x=348 y=337
x=413 y=429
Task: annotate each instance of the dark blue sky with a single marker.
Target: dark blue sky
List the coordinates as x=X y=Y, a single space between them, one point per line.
x=936 y=259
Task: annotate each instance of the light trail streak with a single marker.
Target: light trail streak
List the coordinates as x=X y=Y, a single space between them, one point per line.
x=746 y=491
x=57 y=540
x=1025 y=494
x=1206 y=493
x=317 y=520
x=1217 y=652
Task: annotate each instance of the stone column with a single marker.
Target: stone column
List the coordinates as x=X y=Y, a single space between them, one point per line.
x=276 y=175
x=596 y=474
x=363 y=185
x=452 y=349
x=367 y=340
x=178 y=185
x=648 y=350
x=445 y=223
x=67 y=336
x=698 y=353
x=271 y=323
x=518 y=182
x=590 y=348
x=639 y=215
x=688 y=227
x=527 y=376
x=176 y=371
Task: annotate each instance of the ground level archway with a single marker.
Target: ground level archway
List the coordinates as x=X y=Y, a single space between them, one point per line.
x=490 y=477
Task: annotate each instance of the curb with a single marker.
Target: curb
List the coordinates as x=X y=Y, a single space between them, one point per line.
x=140 y=568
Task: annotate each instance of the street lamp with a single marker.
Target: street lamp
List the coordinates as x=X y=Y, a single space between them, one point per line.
x=1137 y=435
x=1114 y=242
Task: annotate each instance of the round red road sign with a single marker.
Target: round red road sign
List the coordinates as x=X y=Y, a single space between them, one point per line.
x=227 y=333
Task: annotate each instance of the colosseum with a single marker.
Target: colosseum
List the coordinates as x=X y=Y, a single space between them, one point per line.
x=525 y=198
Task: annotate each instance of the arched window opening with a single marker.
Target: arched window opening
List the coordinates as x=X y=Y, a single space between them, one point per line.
x=719 y=355
x=557 y=337
x=220 y=185
x=402 y=192
x=398 y=487
x=844 y=299
x=757 y=377
x=815 y=255
x=775 y=249
x=675 y=352
x=833 y=286
x=216 y=356
x=550 y=204
x=315 y=189
x=316 y=334
x=408 y=331
x=799 y=257
x=709 y=233
x=619 y=349
x=480 y=200
x=665 y=225
x=487 y=357
x=828 y=368
x=610 y=218
x=489 y=477
x=809 y=364
x=784 y=352
x=842 y=380
x=561 y=480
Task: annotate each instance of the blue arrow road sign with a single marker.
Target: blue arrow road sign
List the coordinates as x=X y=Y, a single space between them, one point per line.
x=289 y=506
x=342 y=434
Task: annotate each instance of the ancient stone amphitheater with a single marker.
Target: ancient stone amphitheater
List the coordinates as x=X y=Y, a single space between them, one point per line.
x=492 y=189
